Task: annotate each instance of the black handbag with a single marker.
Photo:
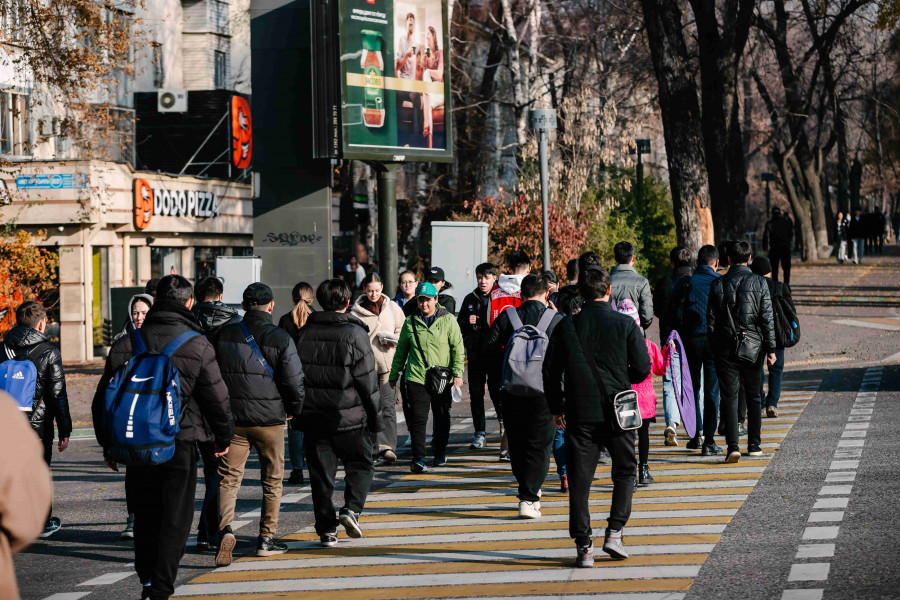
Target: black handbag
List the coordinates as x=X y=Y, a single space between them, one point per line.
x=437 y=379
x=747 y=342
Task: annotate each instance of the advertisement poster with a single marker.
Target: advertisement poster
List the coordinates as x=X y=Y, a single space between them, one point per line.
x=395 y=80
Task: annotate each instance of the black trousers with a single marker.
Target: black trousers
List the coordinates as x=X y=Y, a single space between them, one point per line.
x=733 y=377
x=163 y=500
x=782 y=255
x=416 y=404
x=354 y=450
x=208 y=528
x=477 y=383
x=530 y=431
x=583 y=444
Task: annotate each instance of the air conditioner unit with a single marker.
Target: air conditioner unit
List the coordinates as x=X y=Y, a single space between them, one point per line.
x=172 y=101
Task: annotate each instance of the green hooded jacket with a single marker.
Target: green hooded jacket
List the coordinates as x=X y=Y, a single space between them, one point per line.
x=442 y=344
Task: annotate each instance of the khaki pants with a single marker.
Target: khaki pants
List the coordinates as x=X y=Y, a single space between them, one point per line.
x=269 y=445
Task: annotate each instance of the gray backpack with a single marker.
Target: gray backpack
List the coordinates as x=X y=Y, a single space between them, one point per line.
x=524 y=359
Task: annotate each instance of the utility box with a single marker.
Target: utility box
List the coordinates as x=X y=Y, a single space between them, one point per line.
x=236 y=273
x=458 y=247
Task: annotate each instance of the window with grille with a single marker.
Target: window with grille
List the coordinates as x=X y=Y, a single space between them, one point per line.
x=15 y=124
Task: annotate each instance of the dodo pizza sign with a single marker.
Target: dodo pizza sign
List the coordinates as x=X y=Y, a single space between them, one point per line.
x=171 y=203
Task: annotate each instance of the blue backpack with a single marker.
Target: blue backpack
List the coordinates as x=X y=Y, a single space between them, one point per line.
x=18 y=377
x=143 y=405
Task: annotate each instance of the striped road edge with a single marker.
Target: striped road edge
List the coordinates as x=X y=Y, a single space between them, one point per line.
x=454 y=533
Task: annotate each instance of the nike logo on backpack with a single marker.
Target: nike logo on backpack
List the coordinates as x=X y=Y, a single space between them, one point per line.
x=140 y=379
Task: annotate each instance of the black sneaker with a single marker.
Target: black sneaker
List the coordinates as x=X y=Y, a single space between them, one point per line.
x=145 y=591
x=754 y=450
x=418 y=466
x=348 y=519
x=329 y=540
x=53 y=525
x=440 y=461
x=266 y=546
x=693 y=443
x=128 y=532
x=296 y=478
x=711 y=449
x=644 y=475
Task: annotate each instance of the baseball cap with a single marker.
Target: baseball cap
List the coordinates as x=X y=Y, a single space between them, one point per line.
x=258 y=294
x=435 y=274
x=427 y=289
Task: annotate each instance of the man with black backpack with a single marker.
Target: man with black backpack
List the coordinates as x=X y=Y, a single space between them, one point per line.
x=162 y=493
x=34 y=378
x=787 y=331
x=260 y=366
x=741 y=334
x=517 y=346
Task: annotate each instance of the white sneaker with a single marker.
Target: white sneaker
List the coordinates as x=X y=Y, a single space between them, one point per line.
x=529 y=510
x=671 y=439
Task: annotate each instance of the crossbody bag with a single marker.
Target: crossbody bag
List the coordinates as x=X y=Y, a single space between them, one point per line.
x=437 y=379
x=747 y=342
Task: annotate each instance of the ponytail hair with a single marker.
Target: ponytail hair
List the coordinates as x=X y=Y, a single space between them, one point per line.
x=303 y=295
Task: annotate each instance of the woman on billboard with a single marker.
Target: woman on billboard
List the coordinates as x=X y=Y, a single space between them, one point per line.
x=434 y=71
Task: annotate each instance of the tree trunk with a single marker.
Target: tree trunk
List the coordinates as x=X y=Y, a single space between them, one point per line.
x=681 y=123
x=790 y=171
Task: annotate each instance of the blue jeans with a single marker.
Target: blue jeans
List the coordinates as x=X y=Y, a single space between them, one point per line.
x=776 y=373
x=295 y=449
x=706 y=385
x=559 y=452
x=670 y=404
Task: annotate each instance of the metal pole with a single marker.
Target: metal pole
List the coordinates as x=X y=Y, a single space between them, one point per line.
x=639 y=192
x=545 y=194
x=768 y=199
x=388 y=261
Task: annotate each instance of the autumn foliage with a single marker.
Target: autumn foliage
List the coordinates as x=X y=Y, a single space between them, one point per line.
x=27 y=272
x=516 y=223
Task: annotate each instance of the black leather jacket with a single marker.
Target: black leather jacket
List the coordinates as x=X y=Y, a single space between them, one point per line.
x=747 y=297
x=213 y=316
x=50 y=399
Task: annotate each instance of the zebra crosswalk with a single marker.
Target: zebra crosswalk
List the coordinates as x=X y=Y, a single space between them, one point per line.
x=454 y=533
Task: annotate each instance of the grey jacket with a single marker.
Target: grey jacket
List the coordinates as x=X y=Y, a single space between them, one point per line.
x=627 y=283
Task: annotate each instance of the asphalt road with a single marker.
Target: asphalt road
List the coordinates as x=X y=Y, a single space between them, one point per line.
x=851 y=334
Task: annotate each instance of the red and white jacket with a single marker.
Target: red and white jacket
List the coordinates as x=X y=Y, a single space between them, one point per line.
x=506 y=292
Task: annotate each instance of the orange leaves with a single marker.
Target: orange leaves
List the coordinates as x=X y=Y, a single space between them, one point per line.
x=27 y=271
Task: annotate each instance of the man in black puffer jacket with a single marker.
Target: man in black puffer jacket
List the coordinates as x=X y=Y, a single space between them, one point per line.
x=342 y=403
x=740 y=301
x=51 y=403
x=261 y=368
x=211 y=312
x=163 y=495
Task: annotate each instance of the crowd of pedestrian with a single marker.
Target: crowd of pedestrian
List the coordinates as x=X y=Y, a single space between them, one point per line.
x=863 y=233
x=561 y=364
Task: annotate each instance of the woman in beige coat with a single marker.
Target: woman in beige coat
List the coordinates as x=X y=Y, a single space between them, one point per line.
x=384 y=319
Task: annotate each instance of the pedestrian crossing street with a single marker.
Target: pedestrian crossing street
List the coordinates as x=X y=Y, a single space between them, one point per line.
x=454 y=533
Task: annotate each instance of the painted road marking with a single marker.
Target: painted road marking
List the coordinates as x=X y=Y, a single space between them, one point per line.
x=108 y=578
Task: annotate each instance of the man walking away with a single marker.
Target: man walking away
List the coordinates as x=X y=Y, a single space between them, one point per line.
x=260 y=366
x=342 y=407
x=212 y=314
x=472 y=322
x=628 y=284
x=45 y=400
x=857 y=237
x=777 y=239
x=680 y=259
x=599 y=353
x=740 y=325
x=163 y=495
x=529 y=424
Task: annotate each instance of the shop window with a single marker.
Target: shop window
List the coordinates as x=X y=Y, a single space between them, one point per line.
x=165 y=261
x=221 y=73
x=205 y=261
x=245 y=251
x=15 y=124
x=100 y=317
x=134 y=267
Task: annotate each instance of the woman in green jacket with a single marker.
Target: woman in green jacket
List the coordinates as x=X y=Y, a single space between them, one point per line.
x=441 y=342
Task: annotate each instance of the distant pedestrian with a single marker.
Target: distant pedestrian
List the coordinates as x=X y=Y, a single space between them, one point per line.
x=163 y=495
x=681 y=261
x=568 y=300
x=356 y=271
x=25 y=491
x=260 y=366
x=473 y=325
x=896 y=223
x=406 y=288
x=150 y=287
x=384 y=320
x=879 y=224
x=741 y=333
x=342 y=407
x=435 y=276
x=45 y=400
x=627 y=283
x=526 y=415
x=599 y=353
x=841 y=237
x=431 y=355
x=777 y=240
x=857 y=236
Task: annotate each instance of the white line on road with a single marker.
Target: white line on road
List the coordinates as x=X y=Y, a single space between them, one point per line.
x=108 y=578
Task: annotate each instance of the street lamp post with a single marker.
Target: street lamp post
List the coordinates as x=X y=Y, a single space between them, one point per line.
x=768 y=177
x=643 y=147
x=543 y=120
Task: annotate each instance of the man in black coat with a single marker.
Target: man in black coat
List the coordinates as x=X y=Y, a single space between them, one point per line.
x=163 y=495
x=260 y=366
x=596 y=343
x=213 y=315
x=529 y=424
x=777 y=239
x=740 y=302
x=474 y=327
x=342 y=405
x=50 y=402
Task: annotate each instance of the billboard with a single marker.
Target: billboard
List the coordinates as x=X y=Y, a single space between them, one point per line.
x=391 y=97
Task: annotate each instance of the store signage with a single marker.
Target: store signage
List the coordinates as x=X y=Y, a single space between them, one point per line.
x=56 y=181
x=167 y=202
x=241 y=133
